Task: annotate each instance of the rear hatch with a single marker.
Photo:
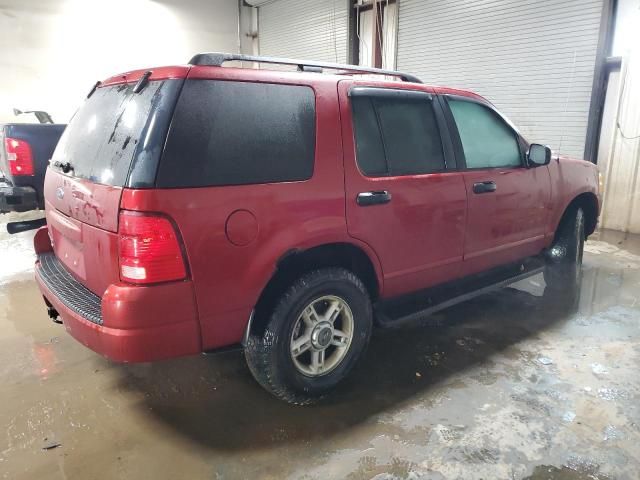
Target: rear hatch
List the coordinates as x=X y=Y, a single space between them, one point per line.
x=113 y=141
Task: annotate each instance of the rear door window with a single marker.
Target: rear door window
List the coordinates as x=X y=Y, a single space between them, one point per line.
x=236 y=133
x=396 y=135
x=111 y=127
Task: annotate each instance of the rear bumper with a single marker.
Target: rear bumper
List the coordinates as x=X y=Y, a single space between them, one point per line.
x=17 y=199
x=133 y=324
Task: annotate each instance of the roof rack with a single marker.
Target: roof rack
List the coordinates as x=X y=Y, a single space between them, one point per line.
x=216 y=59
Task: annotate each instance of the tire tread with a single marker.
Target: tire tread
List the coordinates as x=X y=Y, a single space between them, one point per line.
x=261 y=350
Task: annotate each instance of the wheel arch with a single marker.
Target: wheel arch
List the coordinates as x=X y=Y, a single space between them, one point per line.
x=296 y=262
x=590 y=206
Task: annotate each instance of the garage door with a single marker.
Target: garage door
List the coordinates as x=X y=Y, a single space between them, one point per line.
x=533 y=59
x=306 y=29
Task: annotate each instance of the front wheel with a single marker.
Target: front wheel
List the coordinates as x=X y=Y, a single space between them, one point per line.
x=563 y=274
x=315 y=335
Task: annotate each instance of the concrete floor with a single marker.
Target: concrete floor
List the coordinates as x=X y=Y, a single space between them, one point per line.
x=502 y=387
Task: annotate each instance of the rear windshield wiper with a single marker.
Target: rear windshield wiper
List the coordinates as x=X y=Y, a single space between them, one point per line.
x=66 y=167
x=94 y=88
x=144 y=80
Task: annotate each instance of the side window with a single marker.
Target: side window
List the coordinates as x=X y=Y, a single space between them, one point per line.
x=487 y=140
x=238 y=133
x=396 y=136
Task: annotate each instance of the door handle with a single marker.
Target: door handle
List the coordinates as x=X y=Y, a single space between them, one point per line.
x=365 y=199
x=484 y=187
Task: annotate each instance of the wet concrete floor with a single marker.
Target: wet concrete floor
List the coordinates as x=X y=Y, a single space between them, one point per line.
x=506 y=386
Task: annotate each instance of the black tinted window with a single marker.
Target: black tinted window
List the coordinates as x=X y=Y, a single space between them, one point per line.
x=110 y=127
x=396 y=136
x=233 y=133
x=369 y=148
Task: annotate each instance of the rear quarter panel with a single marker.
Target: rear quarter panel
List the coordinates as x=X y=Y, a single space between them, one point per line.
x=228 y=278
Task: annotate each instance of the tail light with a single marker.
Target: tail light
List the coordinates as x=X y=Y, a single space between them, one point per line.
x=19 y=156
x=149 y=249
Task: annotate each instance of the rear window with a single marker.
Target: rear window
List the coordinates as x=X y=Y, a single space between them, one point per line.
x=235 y=133
x=396 y=135
x=113 y=127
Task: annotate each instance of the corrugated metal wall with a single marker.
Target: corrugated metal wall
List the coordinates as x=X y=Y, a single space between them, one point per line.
x=306 y=29
x=534 y=59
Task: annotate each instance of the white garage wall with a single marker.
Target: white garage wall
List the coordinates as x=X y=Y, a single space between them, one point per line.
x=621 y=170
x=304 y=29
x=619 y=155
x=53 y=51
x=534 y=59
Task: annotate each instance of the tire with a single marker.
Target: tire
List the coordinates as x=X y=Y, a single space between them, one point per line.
x=269 y=354
x=563 y=274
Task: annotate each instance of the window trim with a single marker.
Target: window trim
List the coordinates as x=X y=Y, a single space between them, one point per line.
x=457 y=140
x=380 y=92
x=364 y=91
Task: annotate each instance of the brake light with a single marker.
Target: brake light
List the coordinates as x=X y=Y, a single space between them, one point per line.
x=149 y=249
x=19 y=156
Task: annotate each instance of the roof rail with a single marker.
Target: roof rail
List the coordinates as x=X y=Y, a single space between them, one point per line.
x=216 y=59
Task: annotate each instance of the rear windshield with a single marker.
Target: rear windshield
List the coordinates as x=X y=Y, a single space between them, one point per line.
x=236 y=133
x=116 y=126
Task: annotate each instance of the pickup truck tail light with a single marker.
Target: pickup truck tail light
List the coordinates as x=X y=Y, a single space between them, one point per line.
x=19 y=156
x=149 y=249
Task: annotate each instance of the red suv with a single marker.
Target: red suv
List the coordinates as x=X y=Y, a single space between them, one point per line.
x=192 y=208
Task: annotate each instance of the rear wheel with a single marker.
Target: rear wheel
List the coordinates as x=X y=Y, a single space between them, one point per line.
x=564 y=268
x=315 y=335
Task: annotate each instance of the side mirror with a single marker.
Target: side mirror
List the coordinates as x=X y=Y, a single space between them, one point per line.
x=538 y=155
